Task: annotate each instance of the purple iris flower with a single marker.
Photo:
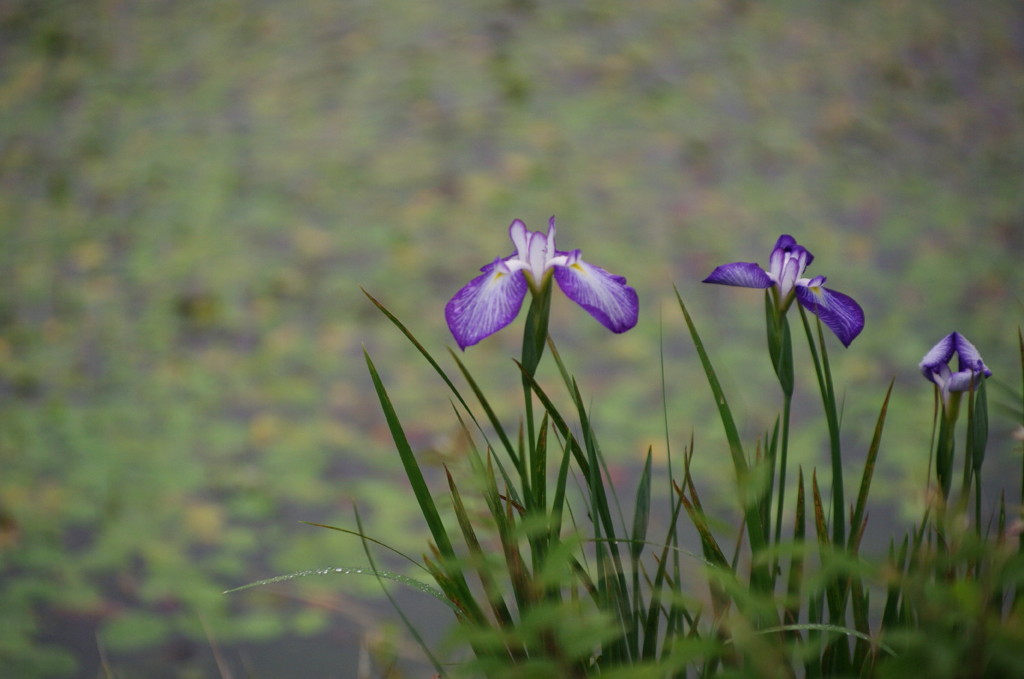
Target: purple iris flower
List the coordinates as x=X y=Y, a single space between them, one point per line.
x=839 y=312
x=935 y=364
x=492 y=300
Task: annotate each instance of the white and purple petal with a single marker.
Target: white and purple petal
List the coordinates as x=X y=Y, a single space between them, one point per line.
x=604 y=295
x=742 y=274
x=486 y=304
x=839 y=312
x=935 y=364
x=938 y=374
x=788 y=245
x=964 y=380
x=534 y=250
x=787 y=264
x=938 y=356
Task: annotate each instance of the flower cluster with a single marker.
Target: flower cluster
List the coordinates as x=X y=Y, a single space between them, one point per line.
x=493 y=299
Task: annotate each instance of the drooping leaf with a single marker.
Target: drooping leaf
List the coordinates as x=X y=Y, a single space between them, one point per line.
x=346 y=570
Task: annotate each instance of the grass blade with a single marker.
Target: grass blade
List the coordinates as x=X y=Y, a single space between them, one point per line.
x=345 y=570
x=368 y=538
x=494 y=597
x=794 y=584
x=760 y=576
x=869 y=467
x=460 y=592
x=398 y=609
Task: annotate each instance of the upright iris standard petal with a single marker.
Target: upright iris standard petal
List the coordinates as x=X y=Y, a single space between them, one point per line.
x=938 y=356
x=786 y=265
x=970 y=358
x=837 y=311
x=742 y=274
x=486 y=304
x=605 y=296
x=492 y=300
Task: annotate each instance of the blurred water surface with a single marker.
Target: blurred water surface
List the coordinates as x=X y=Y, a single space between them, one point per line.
x=191 y=194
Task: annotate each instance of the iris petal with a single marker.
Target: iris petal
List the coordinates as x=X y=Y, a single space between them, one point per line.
x=604 y=295
x=520 y=236
x=938 y=355
x=839 y=312
x=970 y=359
x=784 y=242
x=962 y=381
x=486 y=304
x=742 y=274
x=787 y=244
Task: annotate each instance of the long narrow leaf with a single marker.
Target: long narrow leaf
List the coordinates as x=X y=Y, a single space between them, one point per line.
x=424 y=498
x=642 y=512
x=367 y=538
x=423 y=351
x=834 y=629
x=819 y=355
x=794 y=584
x=739 y=459
x=346 y=570
x=494 y=598
x=398 y=609
x=898 y=562
x=641 y=517
x=650 y=627
x=760 y=576
x=869 y=467
x=573 y=388
x=488 y=410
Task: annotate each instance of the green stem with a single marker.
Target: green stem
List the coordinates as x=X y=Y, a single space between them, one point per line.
x=965 y=490
x=787 y=403
x=828 y=398
x=944 y=447
x=535 y=335
x=760 y=577
x=780 y=349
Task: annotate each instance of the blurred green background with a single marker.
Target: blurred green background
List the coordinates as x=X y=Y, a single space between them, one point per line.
x=191 y=194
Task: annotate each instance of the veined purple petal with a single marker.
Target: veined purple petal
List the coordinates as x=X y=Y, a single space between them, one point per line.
x=839 y=312
x=938 y=355
x=486 y=304
x=970 y=359
x=604 y=295
x=742 y=274
x=935 y=367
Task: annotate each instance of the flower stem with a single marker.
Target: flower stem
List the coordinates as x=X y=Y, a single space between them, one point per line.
x=535 y=336
x=780 y=349
x=944 y=447
x=828 y=398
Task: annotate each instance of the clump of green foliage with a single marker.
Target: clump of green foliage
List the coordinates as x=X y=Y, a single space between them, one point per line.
x=550 y=575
